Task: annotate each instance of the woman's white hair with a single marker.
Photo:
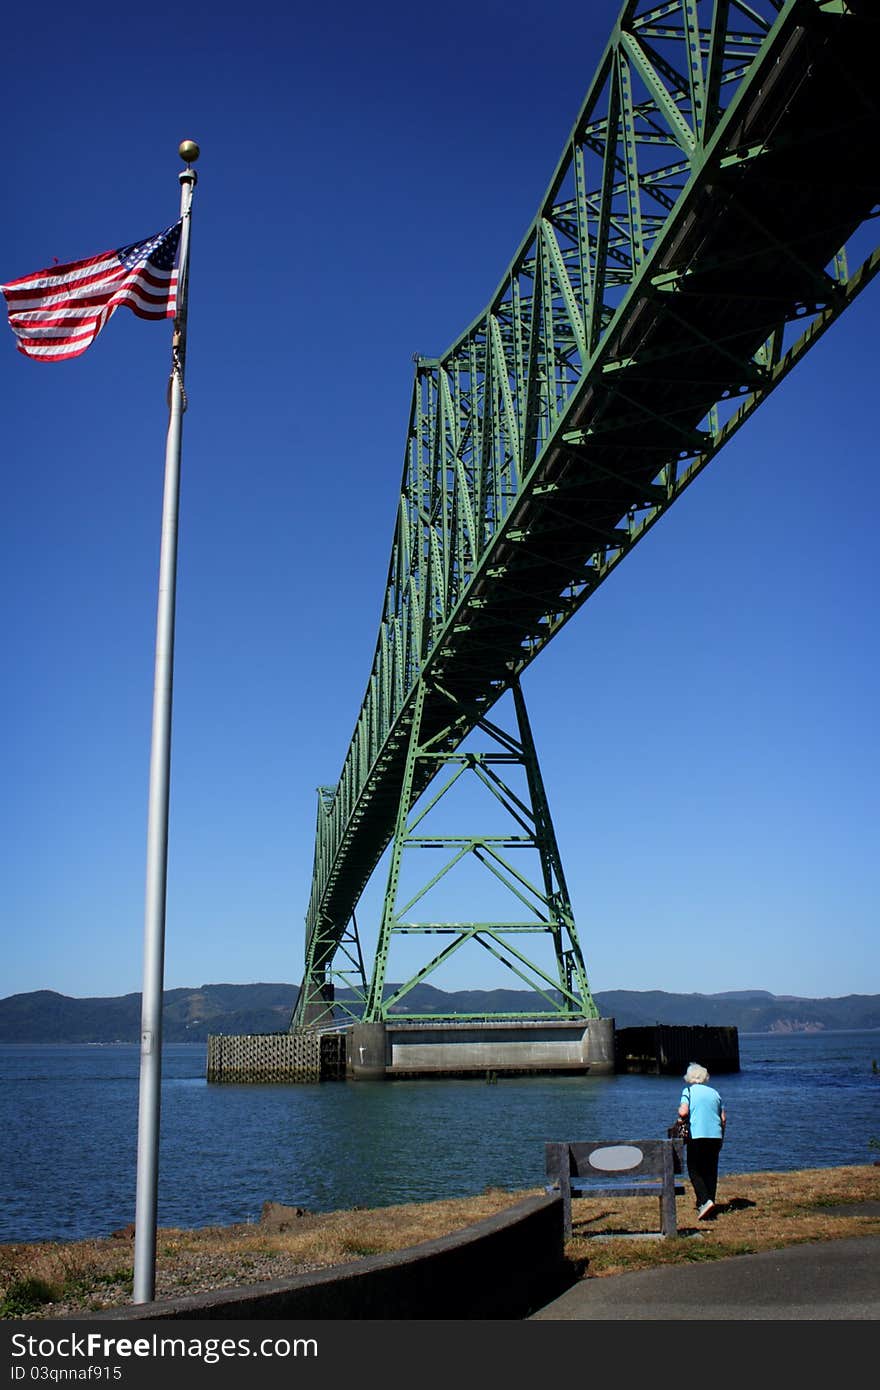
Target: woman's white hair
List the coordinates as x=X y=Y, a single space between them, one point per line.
x=696 y=1075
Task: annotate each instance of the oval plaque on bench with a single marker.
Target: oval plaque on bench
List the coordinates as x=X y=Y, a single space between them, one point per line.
x=616 y=1158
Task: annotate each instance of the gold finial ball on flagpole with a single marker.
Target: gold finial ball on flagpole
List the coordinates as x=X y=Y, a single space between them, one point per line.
x=188 y=151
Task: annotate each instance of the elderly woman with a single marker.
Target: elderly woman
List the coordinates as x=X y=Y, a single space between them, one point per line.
x=702 y=1105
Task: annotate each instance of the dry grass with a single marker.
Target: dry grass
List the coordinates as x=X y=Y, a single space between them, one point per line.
x=757 y=1211
x=54 y=1279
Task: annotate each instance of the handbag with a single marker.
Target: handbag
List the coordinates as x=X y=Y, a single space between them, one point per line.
x=682 y=1127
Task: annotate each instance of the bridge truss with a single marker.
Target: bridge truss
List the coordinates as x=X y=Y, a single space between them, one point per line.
x=711 y=216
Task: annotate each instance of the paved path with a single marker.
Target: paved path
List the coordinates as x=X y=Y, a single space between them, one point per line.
x=832 y=1280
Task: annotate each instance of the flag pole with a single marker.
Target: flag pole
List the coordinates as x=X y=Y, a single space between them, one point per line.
x=160 y=763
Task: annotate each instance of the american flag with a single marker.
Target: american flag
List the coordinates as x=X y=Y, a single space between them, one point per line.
x=56 y=313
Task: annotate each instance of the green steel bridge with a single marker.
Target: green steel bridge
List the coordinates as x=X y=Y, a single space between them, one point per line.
x=709 y=218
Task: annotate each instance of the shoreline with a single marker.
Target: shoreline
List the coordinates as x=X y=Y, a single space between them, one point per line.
x=756 y=1211
x=126 y=1231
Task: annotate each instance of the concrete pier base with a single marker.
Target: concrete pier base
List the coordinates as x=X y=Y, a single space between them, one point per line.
x=599 y=1045
x=366 y=1052
x=504 y=1048
x=488 y=1049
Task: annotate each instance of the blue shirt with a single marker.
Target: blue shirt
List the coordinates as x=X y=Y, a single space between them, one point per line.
x=705 y=1111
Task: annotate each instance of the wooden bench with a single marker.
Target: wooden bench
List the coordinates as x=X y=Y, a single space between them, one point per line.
x=631 y=1168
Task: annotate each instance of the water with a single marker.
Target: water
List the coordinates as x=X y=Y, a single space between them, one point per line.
x=68 y=1116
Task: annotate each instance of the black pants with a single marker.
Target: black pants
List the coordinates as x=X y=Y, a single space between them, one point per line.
x=702 y=1163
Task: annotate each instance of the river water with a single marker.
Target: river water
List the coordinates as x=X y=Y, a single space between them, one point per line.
x=68 y=1119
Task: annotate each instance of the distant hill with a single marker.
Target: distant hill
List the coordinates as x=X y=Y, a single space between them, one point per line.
x=189 y=1015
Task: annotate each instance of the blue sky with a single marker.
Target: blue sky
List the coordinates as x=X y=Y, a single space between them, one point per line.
x=706 y=724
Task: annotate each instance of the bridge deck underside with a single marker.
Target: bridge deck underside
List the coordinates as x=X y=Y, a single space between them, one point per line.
x=754 y=238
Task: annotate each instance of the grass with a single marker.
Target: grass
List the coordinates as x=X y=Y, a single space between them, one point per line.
x=756 y=1211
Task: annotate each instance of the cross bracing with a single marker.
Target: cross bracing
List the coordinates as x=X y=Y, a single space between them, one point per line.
x=696 y=239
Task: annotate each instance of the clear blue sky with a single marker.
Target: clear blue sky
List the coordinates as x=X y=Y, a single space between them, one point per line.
x=706 y=724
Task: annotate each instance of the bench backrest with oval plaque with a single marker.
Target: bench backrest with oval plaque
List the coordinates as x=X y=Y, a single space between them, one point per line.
x=621 y=1168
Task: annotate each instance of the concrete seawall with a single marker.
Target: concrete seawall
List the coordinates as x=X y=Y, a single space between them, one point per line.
x=507 y=1266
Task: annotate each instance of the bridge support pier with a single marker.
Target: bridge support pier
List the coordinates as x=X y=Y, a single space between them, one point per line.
x=407 y=1048
x=599 y=1046
x=366 y=1052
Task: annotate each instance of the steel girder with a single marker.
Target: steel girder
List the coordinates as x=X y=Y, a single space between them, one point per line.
x=689 y=250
